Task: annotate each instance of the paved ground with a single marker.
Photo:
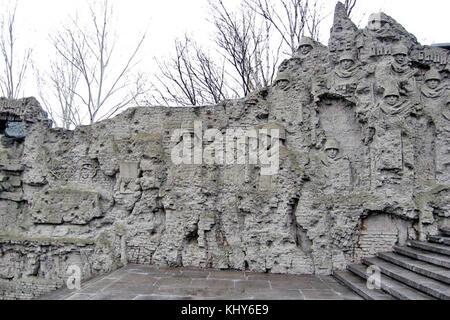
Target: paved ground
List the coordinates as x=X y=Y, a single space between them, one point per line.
x=138 y=282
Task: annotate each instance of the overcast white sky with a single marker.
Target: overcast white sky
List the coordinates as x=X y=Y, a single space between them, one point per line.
x=428 y=20
x=165 y=20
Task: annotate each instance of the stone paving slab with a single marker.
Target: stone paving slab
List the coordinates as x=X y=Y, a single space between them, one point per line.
x=138 y=282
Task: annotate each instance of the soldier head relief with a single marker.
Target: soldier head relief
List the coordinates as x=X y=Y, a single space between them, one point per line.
x=432 y=87
x=400 y=61
x=332 y=149
x=378 y=24
x=305 y=46
x=391 y=96
x=346 y=61
x=400 y=54
x=347 y=65
x=282 y=80
x=432 y=79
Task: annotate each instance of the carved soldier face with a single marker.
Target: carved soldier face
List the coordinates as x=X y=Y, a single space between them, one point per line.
x=282 y=84
x=305 y=50
x=391 y=100
x=377 y=23
x=347 y=64
x=433 y=83
x=332 y=153
x=86 y=171
x=400 y=59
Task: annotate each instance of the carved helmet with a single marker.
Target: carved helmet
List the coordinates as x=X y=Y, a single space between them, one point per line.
x=283 y=76
x=306 y=41
x=432 y=74
x=331 y=144
x=379 y=16
x=346 y=56
x=400 y=49
x=391 y=91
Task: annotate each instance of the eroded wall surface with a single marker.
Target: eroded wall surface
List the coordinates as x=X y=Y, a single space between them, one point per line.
x=364 y=162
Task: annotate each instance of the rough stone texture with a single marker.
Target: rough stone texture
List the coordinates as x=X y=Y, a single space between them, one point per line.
x=364 y=165
x=65 y=206
x=32 y=267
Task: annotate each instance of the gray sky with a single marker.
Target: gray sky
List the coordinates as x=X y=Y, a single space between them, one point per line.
x=167 y=19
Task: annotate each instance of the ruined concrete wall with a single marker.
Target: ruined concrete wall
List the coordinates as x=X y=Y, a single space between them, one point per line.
x=31 y=267
x=364 y=161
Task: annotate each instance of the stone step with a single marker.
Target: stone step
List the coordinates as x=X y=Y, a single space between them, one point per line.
x=434 y=258
x=359 y=286
x=432 y=247
x=427 y=285
x=439 y=239
x=421 y=267
x=445 y=231
x=393 y=287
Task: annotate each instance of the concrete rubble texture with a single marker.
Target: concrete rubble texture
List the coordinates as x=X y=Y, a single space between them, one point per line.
x=364 y=165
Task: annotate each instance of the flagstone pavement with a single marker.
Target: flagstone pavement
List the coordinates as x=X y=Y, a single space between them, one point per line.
x=142 y=282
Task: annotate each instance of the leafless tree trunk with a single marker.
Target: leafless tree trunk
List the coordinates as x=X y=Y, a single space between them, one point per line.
x=190 y=78
x=14 y=64
x=57 y=92
x=250 y=40
x=349 y=6
x=249 y=62
x=245 y=44
x=293 y=19
x=85 y=76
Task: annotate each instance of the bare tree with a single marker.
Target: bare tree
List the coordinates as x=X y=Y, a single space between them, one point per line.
x=85 y=75
x=245 y=44
x=250 y=39
x=14 y=64
x=57 y=92
x=247 y=61
x=349 y=6
x=293 y=19
x=190 y=78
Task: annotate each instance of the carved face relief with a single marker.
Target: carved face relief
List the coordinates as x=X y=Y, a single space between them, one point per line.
x=282 y=84
x=401 y=59
x=332 y=153
x=433 y=83
x=391 y=100
x=347 y=64
x=86 y=171
x=364 y=95
x=377 y=24
x=305 y=50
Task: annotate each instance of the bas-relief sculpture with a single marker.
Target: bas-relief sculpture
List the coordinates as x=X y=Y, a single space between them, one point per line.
x=364 y=164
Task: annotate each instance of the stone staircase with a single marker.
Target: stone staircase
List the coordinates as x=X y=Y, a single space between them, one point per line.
x=418 y=271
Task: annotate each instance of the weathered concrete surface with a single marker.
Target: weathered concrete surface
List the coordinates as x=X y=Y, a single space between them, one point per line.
x=364 y=165
x=138 y=282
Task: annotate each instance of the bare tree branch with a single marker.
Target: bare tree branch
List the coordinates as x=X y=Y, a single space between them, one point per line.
x=14 y=65
x=292 y=19
x=89 y=84
x=244 y=41
x=249 y=62
x=190 y=78
x=349 y=6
